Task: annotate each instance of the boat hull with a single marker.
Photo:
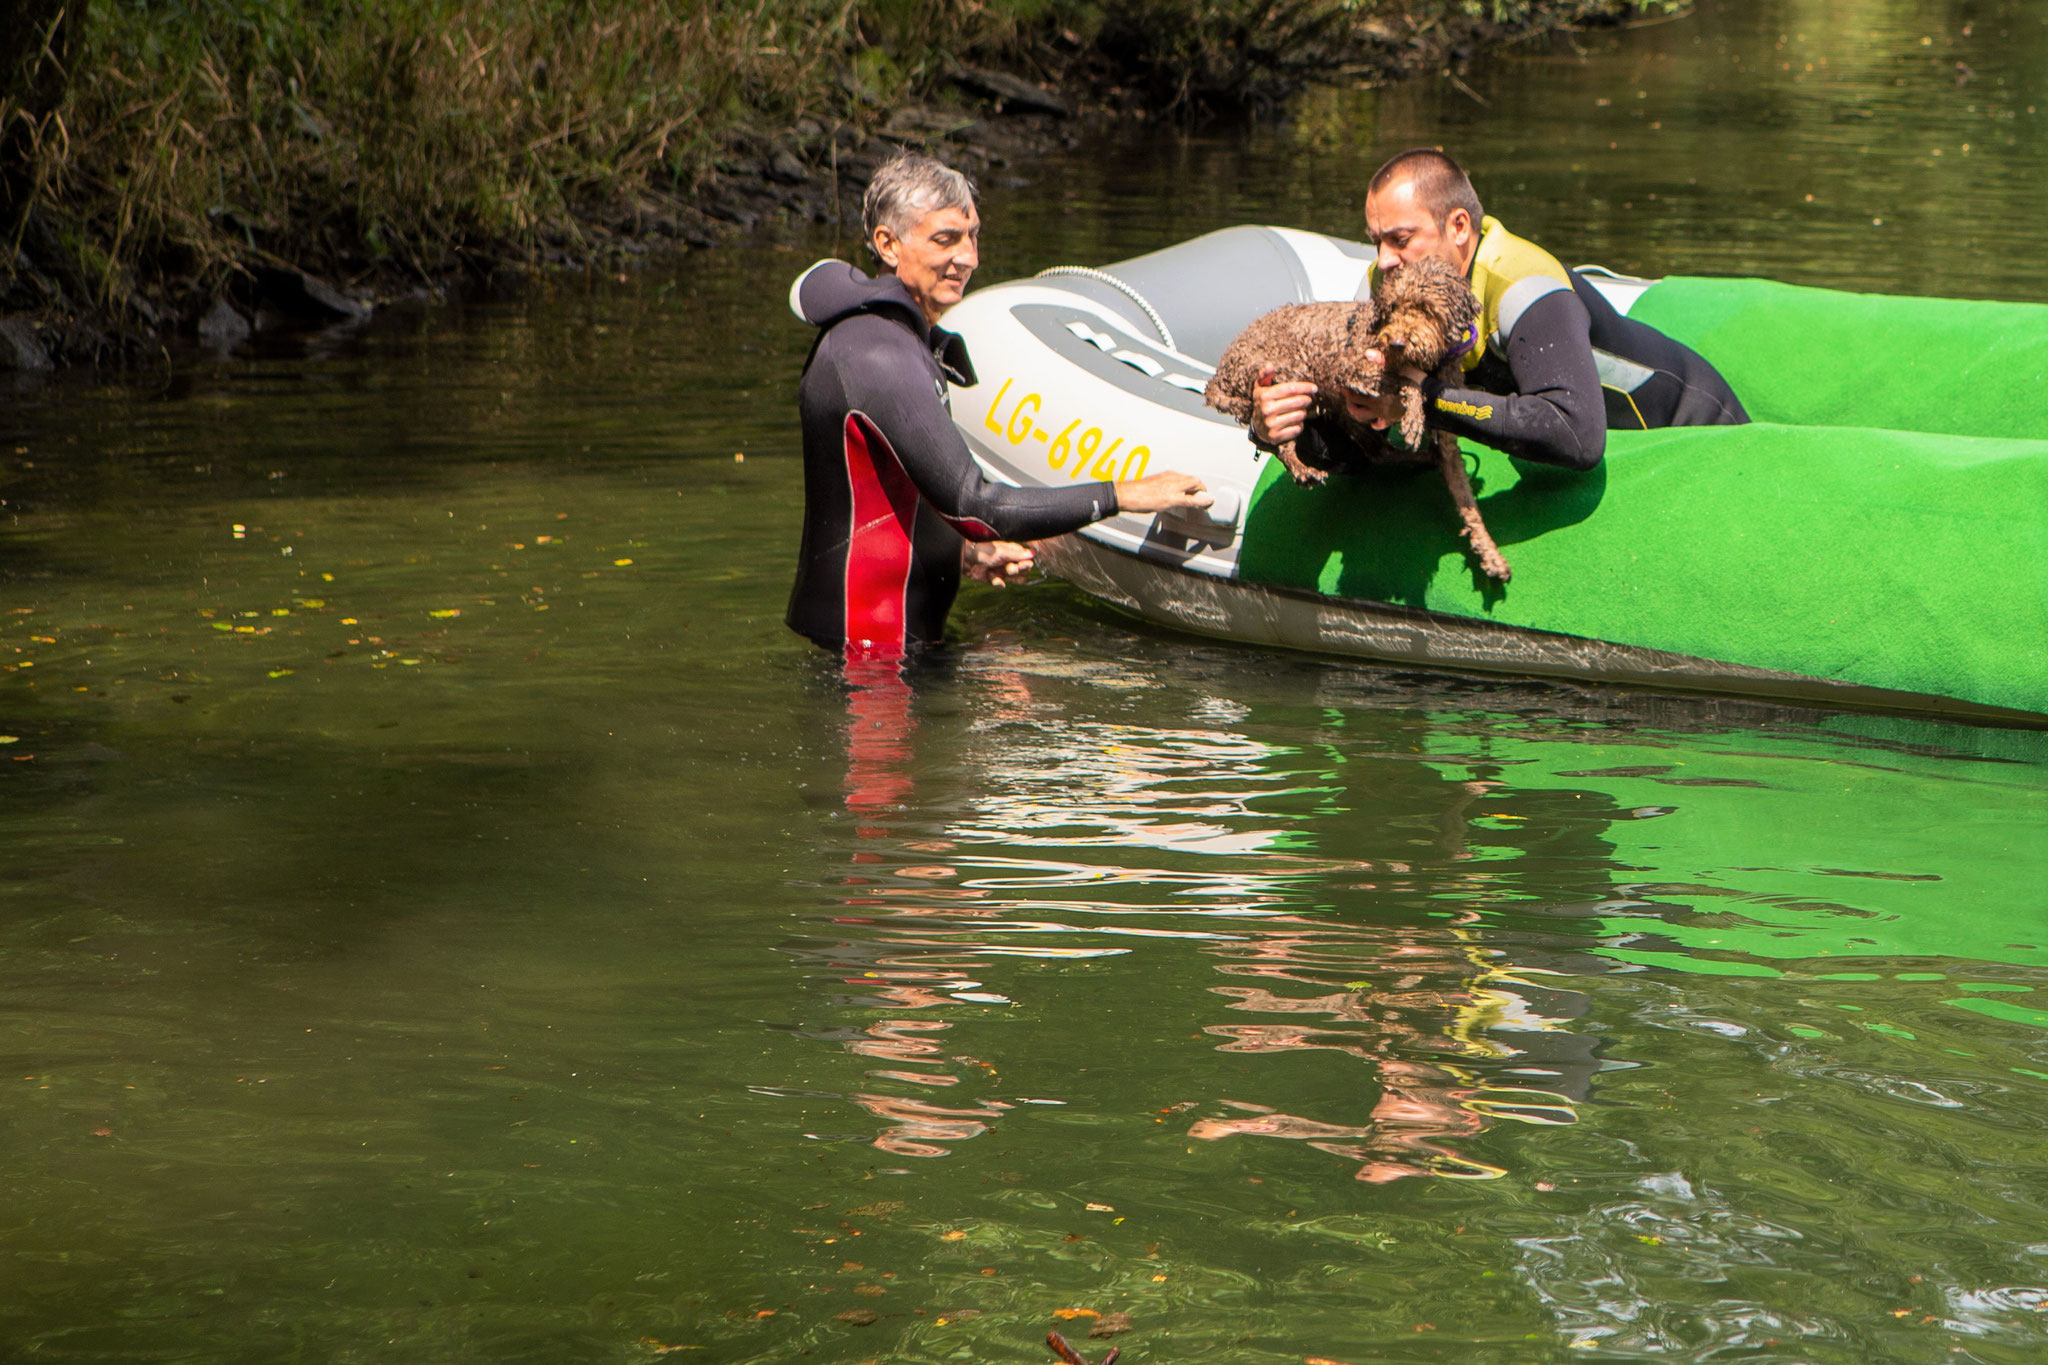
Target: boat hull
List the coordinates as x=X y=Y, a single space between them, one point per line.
x=1320 y=624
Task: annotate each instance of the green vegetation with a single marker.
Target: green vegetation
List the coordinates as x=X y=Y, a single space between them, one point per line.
x=153 y=151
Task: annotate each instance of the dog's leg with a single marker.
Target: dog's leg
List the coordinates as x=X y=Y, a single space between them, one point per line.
x=1302 y=471
x=1453 y=462
x=1411 y=416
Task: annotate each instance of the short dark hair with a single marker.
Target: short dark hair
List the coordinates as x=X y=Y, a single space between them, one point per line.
x=1440 y=183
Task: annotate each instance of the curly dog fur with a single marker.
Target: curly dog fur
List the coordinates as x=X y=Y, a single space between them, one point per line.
x=1420 y=317
x=1323 y=343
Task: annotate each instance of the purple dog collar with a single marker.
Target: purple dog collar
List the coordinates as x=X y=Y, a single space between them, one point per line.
x=1471 y=340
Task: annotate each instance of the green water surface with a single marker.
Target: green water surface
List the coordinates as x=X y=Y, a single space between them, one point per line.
x=448 y=918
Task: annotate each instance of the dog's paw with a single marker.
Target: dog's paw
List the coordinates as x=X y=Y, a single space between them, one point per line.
x=1303 y=472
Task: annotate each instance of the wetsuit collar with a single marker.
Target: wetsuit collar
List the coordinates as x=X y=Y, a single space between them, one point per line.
x=831 y=291
x=950 y=350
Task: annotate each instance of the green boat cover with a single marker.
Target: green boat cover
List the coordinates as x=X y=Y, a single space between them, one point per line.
x=1882 y=522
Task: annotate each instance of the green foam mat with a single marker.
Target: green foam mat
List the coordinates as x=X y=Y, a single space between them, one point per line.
x=1822 y=357
x=1893 y=559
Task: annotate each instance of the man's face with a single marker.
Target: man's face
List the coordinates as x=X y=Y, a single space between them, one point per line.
x=934 y=258
x=1404 y=230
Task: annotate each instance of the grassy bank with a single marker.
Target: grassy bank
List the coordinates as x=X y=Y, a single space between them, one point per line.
x=162 y=155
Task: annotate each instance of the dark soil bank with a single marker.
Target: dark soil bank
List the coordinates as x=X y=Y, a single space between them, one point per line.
x=160 y=187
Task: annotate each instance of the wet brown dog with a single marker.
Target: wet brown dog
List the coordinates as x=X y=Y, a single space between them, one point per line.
x=1421 y=317
x=1322 y=343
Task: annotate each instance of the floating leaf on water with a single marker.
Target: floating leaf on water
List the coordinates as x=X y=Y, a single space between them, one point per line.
x=1069 y=1314
x=869 y=1291
x=881 y=1208
x=445 y=613
x=280 y=672
x=621 y=563
x=1112 y=1324
x=953 y=1236
x=16 y=739
x=1102 y=1208
x=859 y=1317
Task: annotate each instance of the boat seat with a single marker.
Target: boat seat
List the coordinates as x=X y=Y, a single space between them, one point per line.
x=1206 y=290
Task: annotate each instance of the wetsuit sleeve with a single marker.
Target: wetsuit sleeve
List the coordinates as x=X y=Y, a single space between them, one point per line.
x=1557 y=413
x=893 y=388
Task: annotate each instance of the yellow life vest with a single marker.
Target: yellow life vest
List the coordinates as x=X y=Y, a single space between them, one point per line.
x=1508 y=274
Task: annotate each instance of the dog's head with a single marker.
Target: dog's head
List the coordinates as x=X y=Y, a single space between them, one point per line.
x=1354 y=368
x=1426 y=312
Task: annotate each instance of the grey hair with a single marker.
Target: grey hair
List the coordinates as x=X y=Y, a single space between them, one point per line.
x=906 y=189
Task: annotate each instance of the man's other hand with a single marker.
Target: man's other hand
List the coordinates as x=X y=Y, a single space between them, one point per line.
x=1279 y=411
x=1159 y=492
x=996 y=562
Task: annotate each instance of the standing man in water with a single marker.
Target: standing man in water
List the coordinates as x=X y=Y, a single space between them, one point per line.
x=894 y=504
x=1553 y=366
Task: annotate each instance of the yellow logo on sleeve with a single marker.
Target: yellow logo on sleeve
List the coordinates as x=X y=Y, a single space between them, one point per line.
x=1476 y=413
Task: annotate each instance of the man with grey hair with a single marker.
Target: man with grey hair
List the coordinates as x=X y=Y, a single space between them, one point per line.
x=894 y=505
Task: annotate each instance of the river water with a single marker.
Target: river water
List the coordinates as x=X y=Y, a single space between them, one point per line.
x=449 y=918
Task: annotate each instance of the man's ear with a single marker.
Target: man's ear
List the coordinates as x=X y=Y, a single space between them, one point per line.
x=1459 y=227
x=888 y=247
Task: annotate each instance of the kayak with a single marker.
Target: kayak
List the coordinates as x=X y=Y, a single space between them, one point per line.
x=1877 y=536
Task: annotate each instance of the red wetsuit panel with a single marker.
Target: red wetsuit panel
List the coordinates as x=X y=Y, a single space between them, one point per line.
x=880 y=551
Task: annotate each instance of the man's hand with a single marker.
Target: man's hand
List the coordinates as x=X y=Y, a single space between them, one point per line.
x=1279 y=411
x=1158 y=492
x=997 y=562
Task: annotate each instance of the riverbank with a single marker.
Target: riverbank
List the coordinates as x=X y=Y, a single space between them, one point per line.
x=220 y=170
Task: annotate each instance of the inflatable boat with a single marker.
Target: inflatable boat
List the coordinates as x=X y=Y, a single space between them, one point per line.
x=1878 y=536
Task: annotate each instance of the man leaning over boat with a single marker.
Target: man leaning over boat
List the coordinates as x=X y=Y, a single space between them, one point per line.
x=894 y=504
x=1554 y=365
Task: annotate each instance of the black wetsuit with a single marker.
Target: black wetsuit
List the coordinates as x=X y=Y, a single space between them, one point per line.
x=890 y=489
x=1555 y=369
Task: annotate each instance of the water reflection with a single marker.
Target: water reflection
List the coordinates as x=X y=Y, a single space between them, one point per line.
x=1201 y=838
x=1452 y=1040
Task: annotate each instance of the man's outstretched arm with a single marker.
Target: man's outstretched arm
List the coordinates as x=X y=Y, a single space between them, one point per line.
x=935 y=455
x=1557 y=414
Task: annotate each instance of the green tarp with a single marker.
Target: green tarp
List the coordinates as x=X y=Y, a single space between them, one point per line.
x=1906 y=551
